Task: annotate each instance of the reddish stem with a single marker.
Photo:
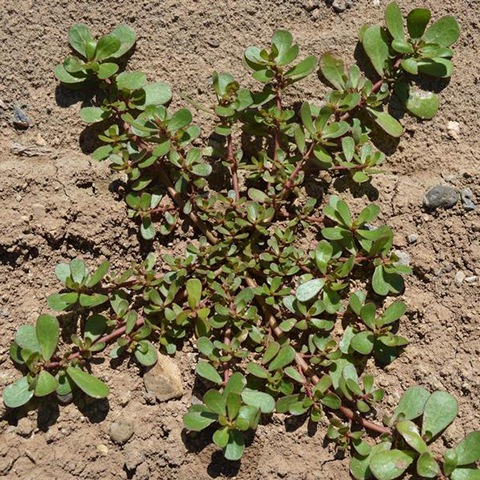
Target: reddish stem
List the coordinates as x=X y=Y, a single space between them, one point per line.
x=234 y=166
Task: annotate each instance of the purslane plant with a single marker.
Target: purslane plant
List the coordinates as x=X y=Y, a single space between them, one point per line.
x=278 y=328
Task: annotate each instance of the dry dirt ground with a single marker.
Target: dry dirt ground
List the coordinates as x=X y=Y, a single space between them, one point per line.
x=57 y=205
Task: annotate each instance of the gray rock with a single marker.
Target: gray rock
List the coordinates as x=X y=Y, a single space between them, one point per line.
x=213 y=42
x=440 y=196
x=5 y=312
x=310 y=5
x=121 y=430
x=459 y=278
x=339 y=5
x=468 y=199
x=471 y=279
x=412 y=239
x=164 y=380
x=133 y=456
x=25 y=427
x=20 y=118
x=403 y=258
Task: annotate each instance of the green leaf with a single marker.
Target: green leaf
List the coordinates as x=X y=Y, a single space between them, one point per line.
x=468 y=450
x=99 y=274
x=194 y=292
x=131 y=80
x=107 y=46
x=270 y=351
x=402 y=46
x=443 y=32
x=419 y=102
x=436 y=67
x=78 y=36
x=302 y=69
x=206 y=370
x=17 y=394
x=62 y=271
x=106 y=70
x=45 y=384
x=257 y=195
x=47 y=331
x=409 y=431
x=376 y=45
x=202 y=169
x=95 y=326
x=157 y=93
x=393 y=313
x=221 y=436
x=389 y=124
x=65 y=385
x=363 y=342
x=179 y=120
x=69 y=78
x=26 y=337
x=333 y=69
x=89 y=384
x=199 y=417
x=332 y=401
x=412 y=403
x=261 y=400
x=440 y=411
x=466 y=474
x=378 y=282
x=427 y=467
x=390 y=465
x=284 y=357
x=214 y=400
x=257 y=370
x=127 y=37
x=78 y=270
x=360 y=465
x=236 y=444
x=394 y=21
x=309 y=290
x=235 y=384
x=410 y=65
x=149 y=357
x=147 y=229
x=92 y=300
x=248 y=416
x=417 y=21
x=294 y=374
x=282 y=41
x=306 y=116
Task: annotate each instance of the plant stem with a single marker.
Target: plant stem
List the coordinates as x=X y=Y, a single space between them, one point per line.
x=234 y=166
x=289 y=185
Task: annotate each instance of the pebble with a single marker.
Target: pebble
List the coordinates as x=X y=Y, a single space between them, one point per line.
x=339 y=5
x=310 y=5
x=459 y=278
x=440 y=196
x=103 y=449
x=471 y=279
x=133 y=456
x=403 y=258
x=213 y=42
x=121 y=430
x=412 y=239
x=164 y=380
x=24 y=427
x=5 y=312
x=454 y=129
x=20 y=118
x=468 y=199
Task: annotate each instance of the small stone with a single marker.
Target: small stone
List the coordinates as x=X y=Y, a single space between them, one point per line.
x=310 y=5
x=440 y=196
x=20 y=118
x=5 y=312
x=25 y=427
x=213 y=42
x=103 y=449
x=468 y=199
x=18 y=198
x=403 y=258
x=164 y=380
x=459 y=278
x=471 y=279
x=339 y=5
x=133 y=456
x=454 y=129
x=121 y=430
x=376 y=3
x=40 y=141
x=38 y=210
x=412 y=239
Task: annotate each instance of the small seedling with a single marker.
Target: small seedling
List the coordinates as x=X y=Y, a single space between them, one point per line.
x=278 y=328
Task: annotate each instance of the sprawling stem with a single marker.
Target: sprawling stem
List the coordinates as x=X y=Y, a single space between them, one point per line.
x=233 y=166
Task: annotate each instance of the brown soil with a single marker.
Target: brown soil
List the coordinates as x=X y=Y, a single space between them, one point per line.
x=58 y=205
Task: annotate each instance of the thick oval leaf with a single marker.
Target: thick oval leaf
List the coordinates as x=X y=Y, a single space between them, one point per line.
x=131 y=80
x=389 y=124
x=303 y=69
x=157 y=93
x=47 y=331
x=194 y=292
x=468 y=450
x=436 y=67
x=106 y=70
x=427 y=467
x=394 y=21
x=107 y=46
x=257 y=195
x=78 y=270
x=390 y=465
x=99 y=274
x=89 y=384
x=363 y=342
x=236 y=444
x=333 y=69
x=67 y=77
x=440 y=411
x=92 y=300
x=46 y=384
x=360 y=465
x=444 y=32
x=127 y=37
x=419 y=102
x=221 y=436
x=284 y=357
x=215 y=402
x=78 y=36
x=417 y=21
x=179 y=120
x=206 y=370
x=376 y=45
x=260 y=400
x=149 y=357
x=198 y=418
x=412 y=403
x=17 y=394
x=466 y=474
x=92 y=114
x=26 y=337
x=309 y=290
x=409 y=431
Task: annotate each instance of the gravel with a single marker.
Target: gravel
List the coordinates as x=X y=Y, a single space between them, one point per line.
x=468 y=199
x=121 y=430
x=459 y=278
x=440 y=196
x=412 y=239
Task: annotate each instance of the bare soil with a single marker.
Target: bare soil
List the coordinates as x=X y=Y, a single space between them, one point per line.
x=56 y=204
